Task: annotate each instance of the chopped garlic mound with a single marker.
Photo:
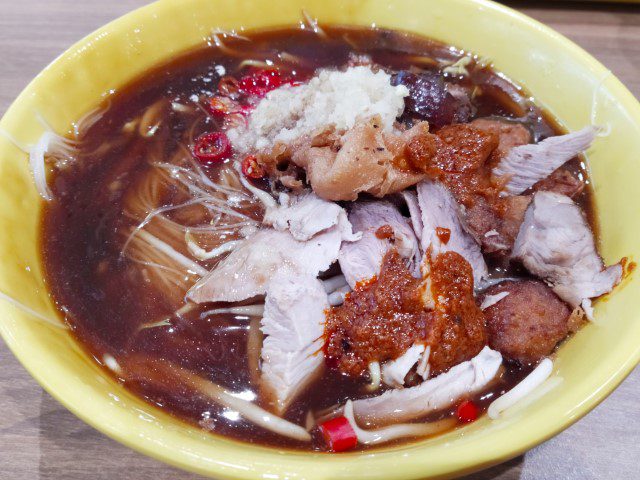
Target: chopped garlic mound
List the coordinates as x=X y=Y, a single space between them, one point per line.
x=331 y=98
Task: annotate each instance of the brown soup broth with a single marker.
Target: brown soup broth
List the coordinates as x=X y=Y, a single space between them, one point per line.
x=111 y=306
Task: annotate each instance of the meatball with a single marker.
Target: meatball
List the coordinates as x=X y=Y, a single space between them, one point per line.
x=528 y=323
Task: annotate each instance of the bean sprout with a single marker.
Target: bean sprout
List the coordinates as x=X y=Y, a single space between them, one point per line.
x=32 y=312
x=309 y=421
x=264 y=197
x=190 y=265
x=165 y=322
x=249 y=310
x=230 y=33
x=151 y=215
x=37 y=164
x=217 y=33
x=459 y=67
x=89 y=119
x=374 y=374
x=333 y=283
x=337 y=297
x=521 y=390
x=393 y=432
x=166 y=373
x=202 y=254
x=255 y=64
x=312 y=23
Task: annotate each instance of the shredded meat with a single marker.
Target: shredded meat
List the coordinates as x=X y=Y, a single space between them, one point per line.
x=382 y=318
x=528 y=323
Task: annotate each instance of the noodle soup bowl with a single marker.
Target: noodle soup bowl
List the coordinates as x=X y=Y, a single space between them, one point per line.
x=565 y=80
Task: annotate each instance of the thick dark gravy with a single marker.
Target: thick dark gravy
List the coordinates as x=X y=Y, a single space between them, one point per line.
x=105 y=298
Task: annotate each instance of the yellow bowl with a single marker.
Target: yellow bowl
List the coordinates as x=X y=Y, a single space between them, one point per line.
x=563 y=78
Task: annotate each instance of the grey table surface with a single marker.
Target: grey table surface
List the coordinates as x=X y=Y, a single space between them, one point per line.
x=39 y=439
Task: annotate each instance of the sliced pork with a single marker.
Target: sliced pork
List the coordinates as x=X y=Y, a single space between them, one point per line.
x=382 y=227
x=248 y=269
x=442 y=230
x=435 y=394
x=293 y=323
x=527 y=321
x=495 y=225
x=526 y=165
x=556 y=244
x=395 y=371
x=304 y=215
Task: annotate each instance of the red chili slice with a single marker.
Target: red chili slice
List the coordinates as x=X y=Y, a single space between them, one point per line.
x=221 y=106
x=261 y=82
x=228 y=86
x=467 y=412
x=251 y=168
x=212 y=147
x=339 y=434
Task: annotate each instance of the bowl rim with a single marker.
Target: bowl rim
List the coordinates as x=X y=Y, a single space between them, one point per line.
x=488 y=459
